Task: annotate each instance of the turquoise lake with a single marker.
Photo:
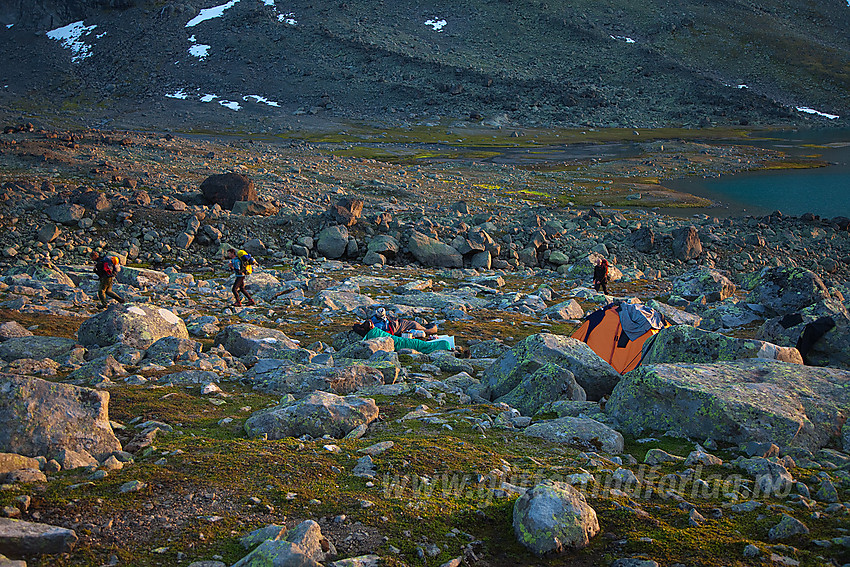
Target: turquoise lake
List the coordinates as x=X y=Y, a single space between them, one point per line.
x=823 y=191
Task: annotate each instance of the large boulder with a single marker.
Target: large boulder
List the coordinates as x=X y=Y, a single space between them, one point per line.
x=244 y=339
x=686 y=243
x=822 y=332
x=134 y=324
x=737 y=402
x=286 y=379
x=547 y=383
x=346 y=211
x=642 y=239
x=683 y=343
x=341 y=300
x=432 y=252
x=578 y=431
x=65 y=213
x=227 y=188
x=141 y=278
x=38 y=417
x=319 y=414
x=26 y=539
x=705 y=282
x=36 y=347
x=553 y=516
x=593 y=374
x=785 y=289
x=332 y=241
x=42 y=272
x=383 y=244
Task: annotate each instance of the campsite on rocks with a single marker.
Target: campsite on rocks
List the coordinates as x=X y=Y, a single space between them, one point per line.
x=425 y=366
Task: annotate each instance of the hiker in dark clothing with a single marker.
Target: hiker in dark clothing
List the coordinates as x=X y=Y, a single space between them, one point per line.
x=600 y=276
x=106 y=267
x=234 y=263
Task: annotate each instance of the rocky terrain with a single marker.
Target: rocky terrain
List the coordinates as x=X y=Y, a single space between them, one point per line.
x=176 y=429
x=267 y=66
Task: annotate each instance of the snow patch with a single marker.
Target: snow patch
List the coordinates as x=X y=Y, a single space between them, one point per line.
x=210 y=13
x=623 y=38
x=288 y=19
x=808 y=110
x=70 y=36
x=437 y=25
x=10 y=25
x=208 y=98
x=200 y=51
x=230 y=104
x=260 y=99
x=181 y=94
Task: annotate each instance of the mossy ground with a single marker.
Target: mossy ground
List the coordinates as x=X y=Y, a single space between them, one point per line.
x=207 y=484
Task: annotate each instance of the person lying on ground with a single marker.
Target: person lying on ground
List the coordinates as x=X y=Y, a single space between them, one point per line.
x=395 y=326
x=367 y=330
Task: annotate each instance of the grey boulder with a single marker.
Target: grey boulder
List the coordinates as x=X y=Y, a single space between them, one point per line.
x=785 y=289
x=553 y=516
x=23 y=539
x=432 y=252
x=137 y=325
x=737 y=402
x=245 y=339
x=578 y=431
x=593 y=374
x=683 y=343
x=319 y=414
x=38 y=417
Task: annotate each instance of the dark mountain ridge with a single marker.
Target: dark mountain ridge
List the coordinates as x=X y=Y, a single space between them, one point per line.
x=577 y=63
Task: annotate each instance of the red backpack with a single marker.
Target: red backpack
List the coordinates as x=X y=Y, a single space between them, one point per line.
x=104 y=267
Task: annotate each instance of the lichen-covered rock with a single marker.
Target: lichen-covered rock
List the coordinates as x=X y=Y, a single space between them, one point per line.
x=787 y=527
x=431 y=252
x=565 y=310
x=547 y=383
x=277 y=553
x=553 y=516
x=169 y=350
x=703 y=282
x=141 y=278
x=673 y=315
x=737 y=402
x=578 y=431
x=244 y=339
x=38 y=417
x=37 y=347
x=42 y=272
x=728 y=314
x=137 y=325
x=319 y=414
x=683 y=343
x=596 y=376
x=365 y=349
x=830 y=349
x=24 y=539
x=784 y=289
x=341 y=300
x=296 y=379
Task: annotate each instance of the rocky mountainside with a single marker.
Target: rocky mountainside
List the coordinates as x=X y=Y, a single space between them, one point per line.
x=137 y=63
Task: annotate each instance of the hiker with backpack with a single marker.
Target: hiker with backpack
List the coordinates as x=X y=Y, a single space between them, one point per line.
x=106 y=267
x=600 y=276
x=242 y=264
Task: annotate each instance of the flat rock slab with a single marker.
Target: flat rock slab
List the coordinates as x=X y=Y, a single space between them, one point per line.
x=20 y=539
x=579 y=431
x=736 y=402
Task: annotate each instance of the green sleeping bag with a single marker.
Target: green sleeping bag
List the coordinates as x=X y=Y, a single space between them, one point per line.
x=426 y=347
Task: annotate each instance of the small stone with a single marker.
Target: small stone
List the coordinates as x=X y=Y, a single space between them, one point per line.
x=786 y=528
x=751 y=551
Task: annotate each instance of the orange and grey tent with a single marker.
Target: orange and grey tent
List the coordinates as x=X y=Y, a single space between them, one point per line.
x=617 y=332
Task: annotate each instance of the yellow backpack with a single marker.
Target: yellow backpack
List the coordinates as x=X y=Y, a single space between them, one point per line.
x=246 y=261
